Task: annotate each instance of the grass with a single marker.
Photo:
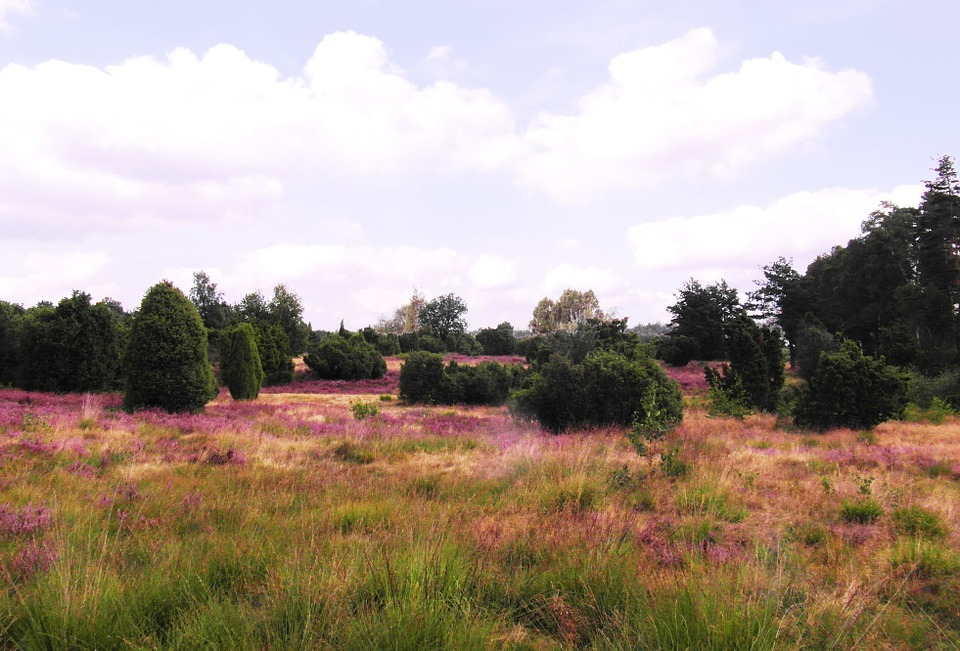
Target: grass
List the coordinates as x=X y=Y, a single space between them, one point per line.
x=289 y=523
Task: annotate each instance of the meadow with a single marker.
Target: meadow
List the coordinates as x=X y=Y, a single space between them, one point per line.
x=330 y=515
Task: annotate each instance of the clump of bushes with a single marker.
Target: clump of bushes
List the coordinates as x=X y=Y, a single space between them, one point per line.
x=605 y=389
x=850 y=389
x=275 y=358
x=337 y=357
x=425 y=379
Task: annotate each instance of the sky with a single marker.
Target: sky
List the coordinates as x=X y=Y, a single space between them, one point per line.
x=499 y=150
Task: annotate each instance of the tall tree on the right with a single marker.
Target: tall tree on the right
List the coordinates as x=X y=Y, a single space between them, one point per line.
x=938 y=264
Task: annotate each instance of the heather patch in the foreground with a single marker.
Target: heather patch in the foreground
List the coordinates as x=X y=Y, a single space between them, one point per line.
x=288 y=522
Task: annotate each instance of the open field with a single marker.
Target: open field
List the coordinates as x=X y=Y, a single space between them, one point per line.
x=287 y=523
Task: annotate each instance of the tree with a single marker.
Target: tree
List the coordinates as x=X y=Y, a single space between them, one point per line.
x=781 y=298
x=73 y=347
x=11 y=332
x=756 y=364
x=240 y=367
x=567 y=313
x=253 y=308
x=165 y=364
x=443 y=316
x=286 y=310
x=499 y=340
x=405 y=319
x=701 y=313
x=850 y=389
x=274 y=347
x=209 y=302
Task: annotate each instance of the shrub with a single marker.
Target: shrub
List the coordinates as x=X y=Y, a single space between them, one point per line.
x=240 y=367
x=678 y=350
x=499 y=340
x=862 y=511
x=422 y=378
x=275 y=358
x=917 y=521
x=342 y=358
x=363 y=410
x=754 y=377
x=849 y=389
x=166 y=363
x=606 y=389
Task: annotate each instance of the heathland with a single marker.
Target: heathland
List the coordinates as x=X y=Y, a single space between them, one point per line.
x=329 y=514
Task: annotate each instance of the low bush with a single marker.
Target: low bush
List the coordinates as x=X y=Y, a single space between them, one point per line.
x=345 y=358
x=862 y=511
x=424 y=379
x=606 y=389
x=918 y=521
x=850 y=389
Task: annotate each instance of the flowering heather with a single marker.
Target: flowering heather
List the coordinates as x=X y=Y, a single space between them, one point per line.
x=35 y=557
x=307 y=383
x=32 y=518
x=690 y=377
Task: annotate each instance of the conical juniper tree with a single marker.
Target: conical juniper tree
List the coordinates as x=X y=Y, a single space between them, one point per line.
x=240 y=367
x=166 y=365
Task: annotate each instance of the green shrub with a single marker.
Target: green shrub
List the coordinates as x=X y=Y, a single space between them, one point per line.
x=498 y=341
x=422 y=378
x=362 y=410
x=862 y=511
x=166 y=363
x=849 y=389
x=606 y=389
x=345 y=358
x=678 y=350
x=917 y=521
x=275 y=358
x=240 y=367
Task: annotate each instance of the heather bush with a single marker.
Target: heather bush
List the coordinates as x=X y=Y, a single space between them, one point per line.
x=345 y=358
x=240 y=368
x=165 y=364
x=849 y=389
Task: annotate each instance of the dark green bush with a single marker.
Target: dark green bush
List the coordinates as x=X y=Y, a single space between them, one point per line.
x=166 y=363
x=422 y=378
x=606 y=389
x=240 y=367
x=678 y=350
x=341 y=358
x=274 y=349
x=754 y=377
x=849 y=389
x=498 y=341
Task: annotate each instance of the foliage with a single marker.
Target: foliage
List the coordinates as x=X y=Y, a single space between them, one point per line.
x=782 y=298
x=572 y=309
x=342 y=358
x=591 y=335
x=499 y=340
x=701 y=312
x=364 y=410
x=443 y=316
x=678 y=350
x=11 y=333
x=274 y=349
x=240 y=367
x=214 y=311
x=849 y=389
x=918 y=521
x=861 y=511
x=606 y=389
x=286 y=310
x=424 y=379
x=812 y=341
x=165 y=364
x=386 y=342
x=74 y=347
x=755 y=376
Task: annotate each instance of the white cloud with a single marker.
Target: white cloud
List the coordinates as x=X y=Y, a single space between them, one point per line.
x=801 y=225
x=8 y=7
x=440 y=52
x=215 y=135
x=42 y=275
x=492 y=272
x=568 y=276
x=662 y=114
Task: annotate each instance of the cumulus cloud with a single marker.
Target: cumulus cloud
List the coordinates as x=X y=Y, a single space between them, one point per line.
x=8 y=7
x=492 y=272
x=801 y=225
x=50 y=275
x=215 y=134
x=663 y=112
